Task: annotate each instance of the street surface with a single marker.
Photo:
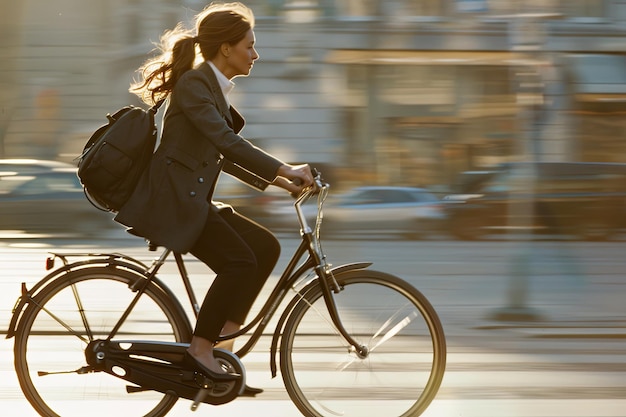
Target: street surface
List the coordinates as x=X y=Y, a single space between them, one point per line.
x=567 y=360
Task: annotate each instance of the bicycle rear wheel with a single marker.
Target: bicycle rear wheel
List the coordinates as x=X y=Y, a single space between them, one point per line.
x=64 y=317
x=407 y=350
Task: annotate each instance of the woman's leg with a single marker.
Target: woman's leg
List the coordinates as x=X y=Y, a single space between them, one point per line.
x=266 y=249
x=242 y=254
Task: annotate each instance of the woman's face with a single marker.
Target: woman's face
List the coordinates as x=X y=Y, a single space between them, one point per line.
x=241 y=56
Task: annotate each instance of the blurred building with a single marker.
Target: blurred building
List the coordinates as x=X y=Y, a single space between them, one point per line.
x=388 y=91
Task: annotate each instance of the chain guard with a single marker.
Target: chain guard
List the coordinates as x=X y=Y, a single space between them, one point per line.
x=158 y=366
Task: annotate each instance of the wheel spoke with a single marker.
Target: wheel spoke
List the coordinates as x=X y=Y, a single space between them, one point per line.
x=63 y=323
x=81 y=311
x=394 y=330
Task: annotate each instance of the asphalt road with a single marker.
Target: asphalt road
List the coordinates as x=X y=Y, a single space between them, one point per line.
x=566 y=359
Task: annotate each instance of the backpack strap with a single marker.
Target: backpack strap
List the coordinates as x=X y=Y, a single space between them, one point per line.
x=154 y=109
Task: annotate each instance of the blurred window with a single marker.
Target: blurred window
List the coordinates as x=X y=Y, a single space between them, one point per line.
x=583 y=8
x=424 y=197
x=424 y=7
x=356 y=8
x=130 y=25
x=602 y=137
x=569 y=8
x=488 y=85
x=363 y=197
x=171 y=13
x=471 y=181
x=572 y=184
x=396 y=196
x=368 y=197
x=524 y=6
x=500 y=183
x=132 y=29
x=391 y=8
x=419 y=84
x=356 y=81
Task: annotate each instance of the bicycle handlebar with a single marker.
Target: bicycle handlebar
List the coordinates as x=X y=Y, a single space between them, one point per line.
x=317 y=187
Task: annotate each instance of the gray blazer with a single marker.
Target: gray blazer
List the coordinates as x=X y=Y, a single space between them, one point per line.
x=200 y=139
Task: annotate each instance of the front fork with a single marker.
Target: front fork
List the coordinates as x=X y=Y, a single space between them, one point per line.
x=327 y=279
x=329 y=285
x=359 y=349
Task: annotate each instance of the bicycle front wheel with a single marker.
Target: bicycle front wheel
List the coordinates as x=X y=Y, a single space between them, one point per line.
x=67 y=314
x=403 y=370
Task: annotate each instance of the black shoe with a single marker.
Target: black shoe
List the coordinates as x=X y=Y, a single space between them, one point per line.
x=192 y=363
x=250 y=391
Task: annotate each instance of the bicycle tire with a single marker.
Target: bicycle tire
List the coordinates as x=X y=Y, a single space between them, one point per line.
x=407 y=350
x=103 y=293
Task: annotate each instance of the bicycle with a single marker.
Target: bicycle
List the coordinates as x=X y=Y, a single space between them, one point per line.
x=351 y=340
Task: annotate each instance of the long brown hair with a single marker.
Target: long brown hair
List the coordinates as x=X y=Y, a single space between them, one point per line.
x=217 y=24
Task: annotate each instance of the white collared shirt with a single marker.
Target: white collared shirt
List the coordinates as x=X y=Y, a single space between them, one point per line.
x=225 y=84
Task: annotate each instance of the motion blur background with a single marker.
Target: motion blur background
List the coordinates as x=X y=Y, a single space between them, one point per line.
x=417 y=112
x=373 y=92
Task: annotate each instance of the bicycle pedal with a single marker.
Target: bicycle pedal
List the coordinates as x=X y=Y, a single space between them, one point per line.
x=200 y=396
x=131 y=389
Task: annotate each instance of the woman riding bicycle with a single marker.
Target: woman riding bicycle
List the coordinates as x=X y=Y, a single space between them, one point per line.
x=172 y=205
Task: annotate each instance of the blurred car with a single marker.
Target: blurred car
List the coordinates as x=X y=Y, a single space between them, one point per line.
x=48 y=200
x=25 y=166
x=410 y=212
x=407 y=211
x=575 y=199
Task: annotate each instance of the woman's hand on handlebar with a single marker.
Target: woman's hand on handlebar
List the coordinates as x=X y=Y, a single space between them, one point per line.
x=294 y=178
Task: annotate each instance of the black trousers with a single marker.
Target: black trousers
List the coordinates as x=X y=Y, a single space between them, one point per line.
x=243 y=254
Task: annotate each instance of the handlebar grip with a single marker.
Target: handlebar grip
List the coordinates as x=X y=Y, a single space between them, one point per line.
x=298 y=181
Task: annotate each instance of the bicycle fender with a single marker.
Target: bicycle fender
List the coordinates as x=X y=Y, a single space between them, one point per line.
x=287 y=312
x=110 y=260
x=26 y=295
x=351 y=266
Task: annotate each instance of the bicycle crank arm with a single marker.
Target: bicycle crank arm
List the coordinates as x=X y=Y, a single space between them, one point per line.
x=132 y=389
x=200 y=396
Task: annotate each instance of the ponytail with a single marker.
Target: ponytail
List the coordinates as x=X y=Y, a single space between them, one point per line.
x=160 y=74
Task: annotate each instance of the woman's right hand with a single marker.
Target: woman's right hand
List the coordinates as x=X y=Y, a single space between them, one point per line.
x=299 y=175
x=294 y=178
